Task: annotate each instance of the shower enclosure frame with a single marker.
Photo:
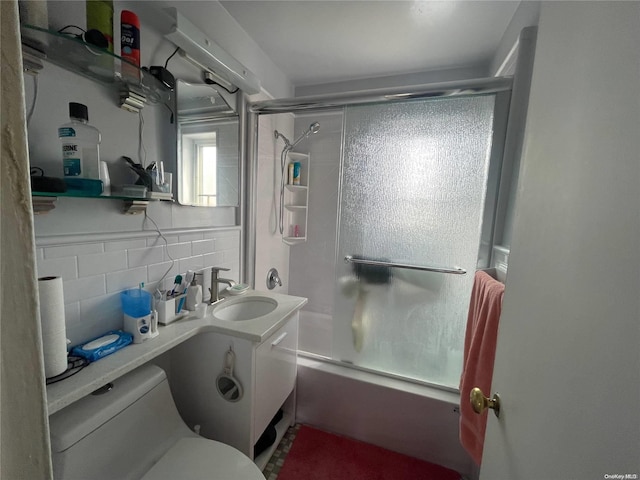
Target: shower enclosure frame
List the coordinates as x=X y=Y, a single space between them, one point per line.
x=501 y=86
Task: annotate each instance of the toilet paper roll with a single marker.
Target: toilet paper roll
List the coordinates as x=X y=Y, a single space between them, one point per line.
x=54 y=337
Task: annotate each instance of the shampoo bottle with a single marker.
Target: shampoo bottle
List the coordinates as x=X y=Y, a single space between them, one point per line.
x=80 y=144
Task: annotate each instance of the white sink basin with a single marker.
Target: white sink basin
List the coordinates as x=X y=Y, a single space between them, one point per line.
x=247 y=308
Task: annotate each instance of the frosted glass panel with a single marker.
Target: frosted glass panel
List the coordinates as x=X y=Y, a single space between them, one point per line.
x=414 y=178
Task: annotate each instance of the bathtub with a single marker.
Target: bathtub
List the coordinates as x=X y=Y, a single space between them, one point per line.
x=414 y=419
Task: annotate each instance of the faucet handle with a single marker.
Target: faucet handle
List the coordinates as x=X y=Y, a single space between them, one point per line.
x=219 y=269
x=273 y=279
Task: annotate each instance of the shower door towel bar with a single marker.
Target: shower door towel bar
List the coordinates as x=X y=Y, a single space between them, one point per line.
x=377 y=263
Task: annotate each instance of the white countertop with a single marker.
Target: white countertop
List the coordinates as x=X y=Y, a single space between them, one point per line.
x=103 y=371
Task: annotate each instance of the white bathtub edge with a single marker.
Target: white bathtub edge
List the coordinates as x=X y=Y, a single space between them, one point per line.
x=411 y=419
x=381 y=380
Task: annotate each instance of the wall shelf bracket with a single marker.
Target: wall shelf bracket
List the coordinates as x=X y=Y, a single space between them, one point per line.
x=135 y=207
x=43 y=205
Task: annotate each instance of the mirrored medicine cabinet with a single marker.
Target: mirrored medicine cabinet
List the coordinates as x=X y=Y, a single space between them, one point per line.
x=208 y=153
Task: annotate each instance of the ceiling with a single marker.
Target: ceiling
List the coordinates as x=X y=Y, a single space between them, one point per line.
x=315 y=42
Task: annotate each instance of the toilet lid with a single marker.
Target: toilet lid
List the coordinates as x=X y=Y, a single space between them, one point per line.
x=200 y=459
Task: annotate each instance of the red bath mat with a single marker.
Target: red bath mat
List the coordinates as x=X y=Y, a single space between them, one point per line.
x=318 y=455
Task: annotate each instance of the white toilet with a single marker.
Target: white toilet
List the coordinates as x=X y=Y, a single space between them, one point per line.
x=134 y=431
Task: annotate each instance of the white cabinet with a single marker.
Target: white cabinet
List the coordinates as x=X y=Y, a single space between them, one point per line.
x=296 y=201
x=266 y=371
x=275 y=364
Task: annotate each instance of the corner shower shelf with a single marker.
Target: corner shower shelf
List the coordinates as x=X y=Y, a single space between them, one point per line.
x=136 y=86
x=294 y=240
x=296 y=208
x=296 y=202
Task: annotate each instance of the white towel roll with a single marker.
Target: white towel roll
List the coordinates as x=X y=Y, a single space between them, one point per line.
x=52 y=319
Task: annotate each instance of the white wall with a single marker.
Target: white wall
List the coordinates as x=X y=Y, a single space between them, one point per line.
x=312 y=267
x=526 y=16
x=270 y=250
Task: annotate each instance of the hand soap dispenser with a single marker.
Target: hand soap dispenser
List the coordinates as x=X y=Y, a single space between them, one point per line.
x=194 y=294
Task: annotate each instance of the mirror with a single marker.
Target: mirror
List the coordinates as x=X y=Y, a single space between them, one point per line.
x=208 y=149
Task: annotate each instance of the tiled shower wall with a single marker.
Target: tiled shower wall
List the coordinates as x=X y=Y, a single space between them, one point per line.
x=96 y=269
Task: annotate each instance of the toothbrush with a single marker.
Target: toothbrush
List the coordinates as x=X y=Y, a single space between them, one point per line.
x=181 y=302
x=176 y=284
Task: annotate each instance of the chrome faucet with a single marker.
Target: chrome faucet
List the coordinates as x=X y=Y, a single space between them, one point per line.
x=215 y=281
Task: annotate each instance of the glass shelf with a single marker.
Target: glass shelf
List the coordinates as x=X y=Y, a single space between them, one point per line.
x=44 y=202
x=100 y=65
x=86 y=195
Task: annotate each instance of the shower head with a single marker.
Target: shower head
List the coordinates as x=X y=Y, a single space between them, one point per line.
x=313 y=128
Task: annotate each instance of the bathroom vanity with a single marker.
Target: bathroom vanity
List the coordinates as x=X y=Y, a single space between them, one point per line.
x=264 y=345
x=265 y=372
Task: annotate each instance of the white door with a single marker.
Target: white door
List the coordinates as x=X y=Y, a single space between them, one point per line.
x=567 y=361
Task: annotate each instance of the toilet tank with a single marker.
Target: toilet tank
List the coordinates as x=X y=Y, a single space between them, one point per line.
x=119 y=433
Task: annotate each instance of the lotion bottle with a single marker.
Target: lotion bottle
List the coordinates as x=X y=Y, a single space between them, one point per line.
x=194 y=295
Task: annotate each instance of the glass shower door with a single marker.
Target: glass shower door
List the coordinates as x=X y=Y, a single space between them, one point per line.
x=413 y=186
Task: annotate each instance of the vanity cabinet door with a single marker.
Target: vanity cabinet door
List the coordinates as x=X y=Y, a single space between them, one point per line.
x=276 y=367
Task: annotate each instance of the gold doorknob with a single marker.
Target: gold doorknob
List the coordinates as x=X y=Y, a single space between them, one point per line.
x=480 y=403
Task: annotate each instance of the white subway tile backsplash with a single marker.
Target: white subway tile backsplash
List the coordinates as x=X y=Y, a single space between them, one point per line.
x=178 y=250
x=213 y=259
x=158 y=240
x=191 y=263
x=232 y=255
x=226 y=242
x=73 y=250
x=101 y=263
x=64 y=267
x=191 y=237
x=200 y=247
x=125 y=244
x=144 y=256
x=101 y=309
x=95 y=272
x=131 y=278
x=71 y=314
x=157 y=270
x=83 y=288
x=80 y=333
x=97 y=316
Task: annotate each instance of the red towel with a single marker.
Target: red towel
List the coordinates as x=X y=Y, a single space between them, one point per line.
x=479 y=354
